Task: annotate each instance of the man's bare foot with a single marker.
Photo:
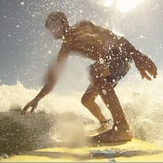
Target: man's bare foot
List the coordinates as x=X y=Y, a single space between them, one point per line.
x=105 y=126
x=102 y=129
x=113 y=135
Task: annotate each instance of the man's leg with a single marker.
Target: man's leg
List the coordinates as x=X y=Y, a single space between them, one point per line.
x=104 y=87
x=120 y=130
x=88 y=100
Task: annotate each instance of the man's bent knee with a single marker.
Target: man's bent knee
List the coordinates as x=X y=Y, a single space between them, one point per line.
x=86 y=101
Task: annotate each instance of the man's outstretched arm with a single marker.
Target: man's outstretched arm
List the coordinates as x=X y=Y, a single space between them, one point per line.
x=51 y=78
x=143 y=63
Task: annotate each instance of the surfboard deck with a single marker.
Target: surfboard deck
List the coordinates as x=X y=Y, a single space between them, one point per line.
x=130 y=151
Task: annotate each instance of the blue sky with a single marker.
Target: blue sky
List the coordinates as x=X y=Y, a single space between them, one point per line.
x=26 y=47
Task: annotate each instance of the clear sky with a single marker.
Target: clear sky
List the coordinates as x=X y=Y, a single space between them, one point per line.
x=26 y=47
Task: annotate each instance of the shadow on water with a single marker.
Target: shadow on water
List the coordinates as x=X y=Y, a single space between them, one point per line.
x=24 y=133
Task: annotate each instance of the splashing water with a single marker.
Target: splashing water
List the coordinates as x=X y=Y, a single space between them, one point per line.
x=64 y=114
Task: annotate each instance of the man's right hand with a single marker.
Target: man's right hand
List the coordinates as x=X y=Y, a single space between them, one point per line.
x=33 y=104
x=145 y=66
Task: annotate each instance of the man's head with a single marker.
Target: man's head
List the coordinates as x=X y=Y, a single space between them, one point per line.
x=57 y=22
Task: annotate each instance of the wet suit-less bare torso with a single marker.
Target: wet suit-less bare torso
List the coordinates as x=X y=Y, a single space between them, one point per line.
x=103 y=46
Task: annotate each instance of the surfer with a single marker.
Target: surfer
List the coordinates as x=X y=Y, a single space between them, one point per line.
x=113 y=56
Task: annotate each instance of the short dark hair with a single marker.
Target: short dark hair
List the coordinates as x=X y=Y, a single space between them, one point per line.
x=56 y=16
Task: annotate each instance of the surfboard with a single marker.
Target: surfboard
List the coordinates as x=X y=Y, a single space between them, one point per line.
x=131 y=151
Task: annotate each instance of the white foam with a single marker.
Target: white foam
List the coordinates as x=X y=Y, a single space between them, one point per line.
x=142 y=104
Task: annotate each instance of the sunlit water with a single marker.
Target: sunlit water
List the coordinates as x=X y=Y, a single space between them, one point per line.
x=58 y=115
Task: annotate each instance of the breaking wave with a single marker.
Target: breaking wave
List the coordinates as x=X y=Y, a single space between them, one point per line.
x=142 y=104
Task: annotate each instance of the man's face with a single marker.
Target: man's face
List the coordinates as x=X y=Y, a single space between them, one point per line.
x=56 y=29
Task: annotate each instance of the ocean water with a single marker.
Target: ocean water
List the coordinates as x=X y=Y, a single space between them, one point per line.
x=62 y=115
